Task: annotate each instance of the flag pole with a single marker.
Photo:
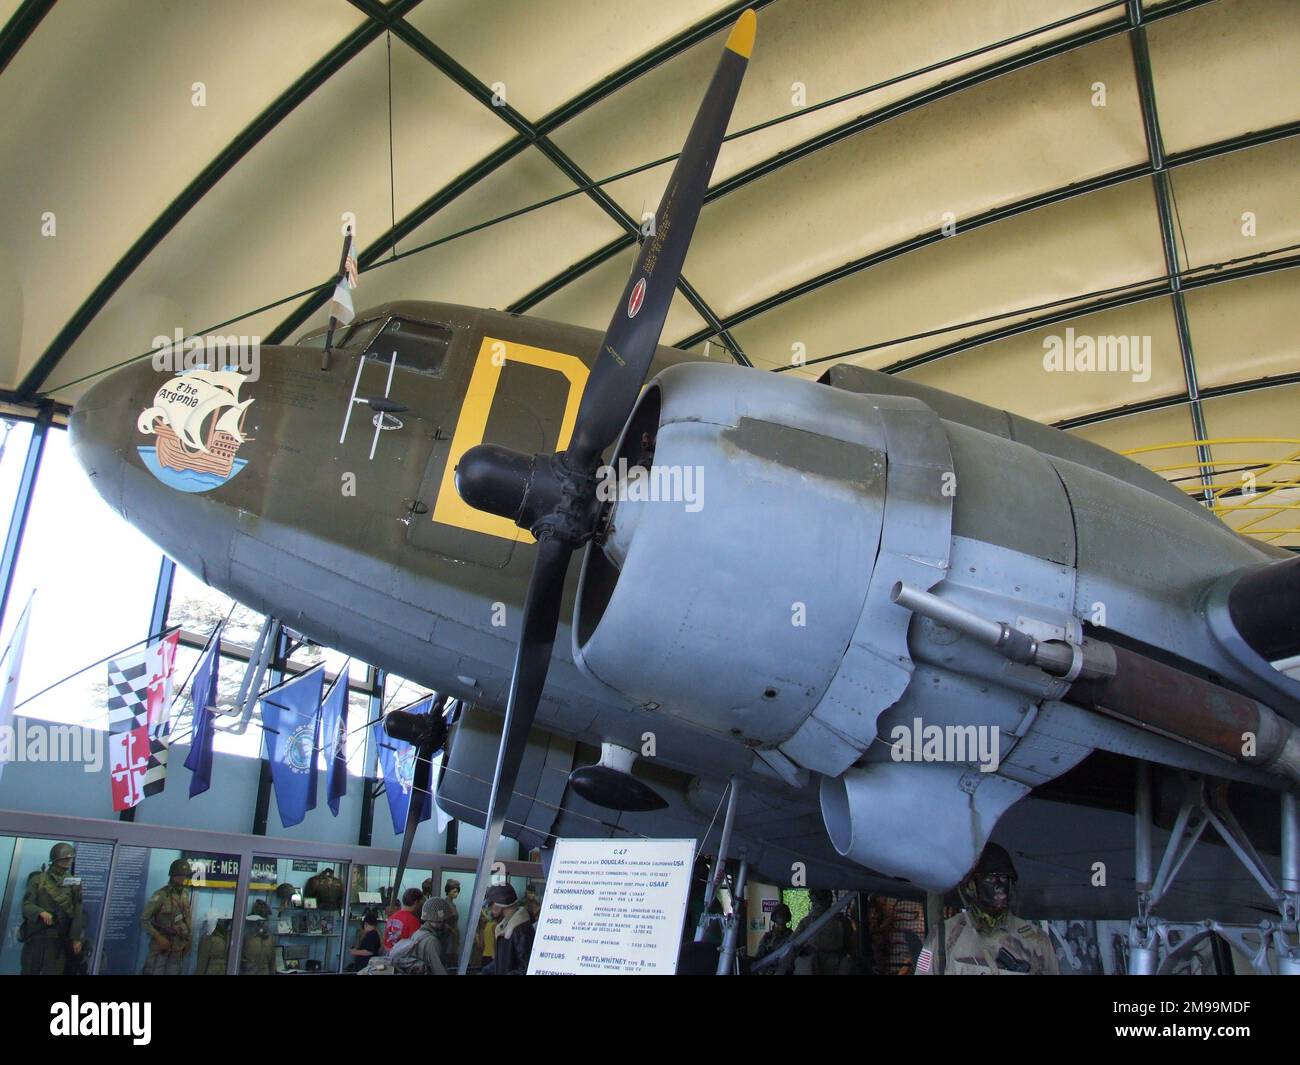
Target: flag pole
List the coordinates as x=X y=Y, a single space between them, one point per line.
x=343 y=267
x=98 y=662
x=26 y=607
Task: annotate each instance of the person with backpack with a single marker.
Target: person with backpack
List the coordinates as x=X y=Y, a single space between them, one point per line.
x=417 y=955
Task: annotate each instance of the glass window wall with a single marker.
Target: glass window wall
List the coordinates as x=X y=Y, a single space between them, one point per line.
x=169 y=912
x=52 y=904
x=297 y=918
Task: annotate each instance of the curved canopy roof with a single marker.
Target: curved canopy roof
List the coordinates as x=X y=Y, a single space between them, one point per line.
x=956 y=192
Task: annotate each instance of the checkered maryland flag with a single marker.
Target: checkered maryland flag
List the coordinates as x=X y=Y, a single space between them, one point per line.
x=139 y=708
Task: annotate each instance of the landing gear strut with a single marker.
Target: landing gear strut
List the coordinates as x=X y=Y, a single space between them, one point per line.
x=1204 y=804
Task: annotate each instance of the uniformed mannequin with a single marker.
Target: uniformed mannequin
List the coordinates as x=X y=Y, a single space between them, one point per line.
x=326 y=889
x=426 y=942
x=167 y=920
x=830 y=951
x=451 y=934
x=54 y=920
x=775 y=938
x=257 y=951
x=512 y=933
x=986 y=938
x=214 y=949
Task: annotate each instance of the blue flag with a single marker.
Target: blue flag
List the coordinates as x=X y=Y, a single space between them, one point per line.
x=203 y=694
x=334 y=740
x=291 y=729
x=397 y=759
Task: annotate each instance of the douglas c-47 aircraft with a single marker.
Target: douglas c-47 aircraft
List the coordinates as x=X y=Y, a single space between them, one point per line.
x=903 y=623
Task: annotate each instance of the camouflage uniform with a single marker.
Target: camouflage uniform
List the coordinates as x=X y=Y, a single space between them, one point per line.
x=774 y=939
x=46 y=947
x=830 y=951
x=167 y=915
x=1013 y=947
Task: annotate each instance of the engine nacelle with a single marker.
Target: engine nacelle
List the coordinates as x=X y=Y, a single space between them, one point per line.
x=738 y=586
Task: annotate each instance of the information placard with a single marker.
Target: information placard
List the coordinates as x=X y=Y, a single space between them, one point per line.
x=613 y=906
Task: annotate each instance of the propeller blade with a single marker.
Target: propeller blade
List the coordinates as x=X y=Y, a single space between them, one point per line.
x=532 y=662
x=633 y=333
x=428 y=732
x=419 y=788
x=554 y=496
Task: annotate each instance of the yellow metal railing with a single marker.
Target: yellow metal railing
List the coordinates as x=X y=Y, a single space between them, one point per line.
x=1255 y=488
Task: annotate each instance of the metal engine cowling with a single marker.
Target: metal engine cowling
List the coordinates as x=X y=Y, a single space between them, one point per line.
x=738 y=607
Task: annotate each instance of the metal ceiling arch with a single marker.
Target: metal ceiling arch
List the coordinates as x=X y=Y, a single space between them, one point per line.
x=822 y=227
x=374 y=252
x=393 y=16
x=1214 y=392
x=1166 y=209
x=267 y=121
x=997 y=214
x=15 y=32
x=1140 y=293
x=533 y=135
x=865 y=122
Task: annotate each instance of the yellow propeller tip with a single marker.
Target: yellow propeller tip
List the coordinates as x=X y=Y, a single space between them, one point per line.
x=741 y=40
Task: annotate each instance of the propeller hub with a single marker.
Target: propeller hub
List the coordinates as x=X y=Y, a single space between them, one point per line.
x=494 y=479
x=543 y=494
x=420 y=730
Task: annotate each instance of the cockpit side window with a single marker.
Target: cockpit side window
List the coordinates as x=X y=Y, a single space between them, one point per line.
x=420 y=346
x=357 y=334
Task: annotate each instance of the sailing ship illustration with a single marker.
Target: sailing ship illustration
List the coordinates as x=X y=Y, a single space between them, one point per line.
x=197 y=419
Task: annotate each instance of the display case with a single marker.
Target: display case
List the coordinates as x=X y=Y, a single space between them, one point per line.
x=82 y=887
x=296 y=917
x=371 y=888
x=169 y=912
x=300 y=905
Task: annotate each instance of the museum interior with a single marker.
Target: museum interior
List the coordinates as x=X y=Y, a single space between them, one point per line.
x=904 y=580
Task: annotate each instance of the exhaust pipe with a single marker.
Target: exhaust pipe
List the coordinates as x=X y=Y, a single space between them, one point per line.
x=1138 y=689
x=1163 y=699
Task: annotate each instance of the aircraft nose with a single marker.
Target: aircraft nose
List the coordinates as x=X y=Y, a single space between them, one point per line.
x=102 y=425
x=161 y=443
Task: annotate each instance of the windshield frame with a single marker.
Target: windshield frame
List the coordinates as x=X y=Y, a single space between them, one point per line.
x=344 y=336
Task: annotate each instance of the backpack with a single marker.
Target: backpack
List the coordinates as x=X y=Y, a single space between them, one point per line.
x=26 y=928
x=402 y=960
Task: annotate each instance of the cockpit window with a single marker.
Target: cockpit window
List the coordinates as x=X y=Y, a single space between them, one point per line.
x=357 y=334
x=420 y=346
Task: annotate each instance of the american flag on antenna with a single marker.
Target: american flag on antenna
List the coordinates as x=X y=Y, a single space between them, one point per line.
x=350 y=265
x=340 y=306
